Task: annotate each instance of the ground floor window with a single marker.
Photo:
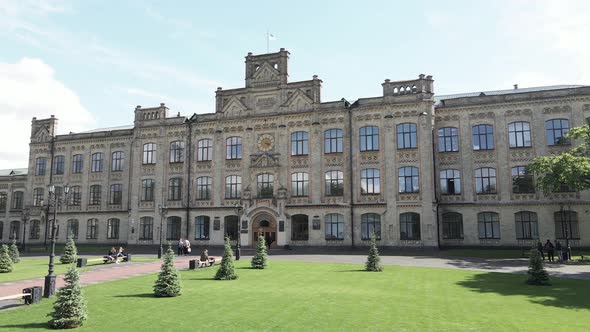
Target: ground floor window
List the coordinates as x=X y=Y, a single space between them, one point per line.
x=232 y=229
x=202 y=228
x=299 y=227
x=526 y=225
x=370 y=223
x=146 y=228
x=35 y=231
x=334 y=226
x=92 y=229
x=72 y=229
x=113 y=228
x=488 y=225
x=452 y=225
x=14 y=230
x=566 y=225
x=409 y=223
x=173 y=228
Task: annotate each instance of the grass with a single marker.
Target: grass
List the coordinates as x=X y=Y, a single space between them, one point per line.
x=329 y=297
x=501 y=253
x=30 y=268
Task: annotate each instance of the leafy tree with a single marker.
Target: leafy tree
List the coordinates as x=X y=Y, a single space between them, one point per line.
x=6 y=264
x=70 y=252
x=69 y=311
x=13 y=252
x=259 y=260
x=570 y=169
x=537 y=273
x=373 y=260
x=226 y=270
x=168 y=283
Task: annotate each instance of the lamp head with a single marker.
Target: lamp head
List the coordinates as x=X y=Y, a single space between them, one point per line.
x=66 y=189
x=52 y=189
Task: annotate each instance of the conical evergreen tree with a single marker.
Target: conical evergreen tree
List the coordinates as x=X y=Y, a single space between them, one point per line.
x=373 y=260
x=13 y=252
x=70 y=253
x=69 y=311
x=537 y=273
x=6 y=264
x=226 y=270
x=168 y=283
x=259 y=260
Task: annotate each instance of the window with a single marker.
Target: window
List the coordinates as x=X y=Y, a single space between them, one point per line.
x=147 y=190
x=299 y=143
x=1 y=229
x=526 y=225
x=370 y=223
x=566 y=225
x=450 y=182
x=483 y=137
x=72 y=229
x=334 y=183
x=202 y=228
x=233 y=186
x=14 y=230
x=177 y=152
x=409 y=224
x=75 y=196
x=59 y=165
x=488 y=225
x=333 y=141
x=555 y=130
x=59 y=193
x=146 y=228
x=334 y=226
x=35 y=230
x=452 y=225
x=406 y=135
x=265 y=185
x=204 y=150
x=3 y=200
x=17 y=200
x=369 y=138
x=97 y=162
x=38 y=196
x=204 y=187
x=299 y=227
x=231 y=227
x=448 y=139
x=175 y=189
x=370 y=181
x=409 y=180
x=116 y=195
x=40 y=166
x=173 y=228
x=519 y=134
x=94 y=198
x=233 y=148
x=149 y=153
x=299 y=184
x=113 y=228
x=485 y=180
x=92 y=229
x=77 y=163
x=522 y=181
x=118 y=161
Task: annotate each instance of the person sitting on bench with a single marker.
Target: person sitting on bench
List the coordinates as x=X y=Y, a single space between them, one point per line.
x=120 y=253
x=205 y=260
x=110 y=257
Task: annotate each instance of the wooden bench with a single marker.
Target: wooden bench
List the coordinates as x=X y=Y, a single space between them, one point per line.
x=30 y=295
x=197 y=263
x=105 y=259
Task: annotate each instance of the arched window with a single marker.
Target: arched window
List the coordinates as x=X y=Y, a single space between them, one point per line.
x=233 y=186
x=14 y=230
x=299 y=184
x=146 y=228
x=97 y=162
x=202 y=228
x=299 y=227
x=233 y=148
x=369 y=138
x=173 y=228
x=299 y=143
x=409 y=224
x=204 y=187
x=409 y=180
x=566 y=225
x=370 y=181
x=488 y=225
x=452 y=225
x=526 y=225
x=334 y=183
x=450 y=182
x=232 y=227
x=77 y=163
x=555 y=130
x=72 y=229
x=117 y=161
x=59 y=164
x=485 y=180
x=92 y=229
x=149 y=153
x=519 y=134
x=483 y=137
x=522 y=181
x=41 y=166
x=406 y=135
x=113 y=228
x=175 y=189
x=333 y=141
x=334 y=226
x=370 y=223
x=448 y=139
x=177 y=152
x=204 y=150
x=265 y=185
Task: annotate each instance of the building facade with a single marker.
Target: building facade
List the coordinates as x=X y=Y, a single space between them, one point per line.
x=274 y=160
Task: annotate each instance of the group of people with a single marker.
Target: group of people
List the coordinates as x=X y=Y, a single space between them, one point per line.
x=550 y=249
x=114 y=255
x=184 y=247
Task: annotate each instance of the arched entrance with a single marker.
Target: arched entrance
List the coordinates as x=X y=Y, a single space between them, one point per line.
x=266 y=225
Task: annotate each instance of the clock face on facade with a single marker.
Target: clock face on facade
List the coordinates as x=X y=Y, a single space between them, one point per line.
x=266 y=142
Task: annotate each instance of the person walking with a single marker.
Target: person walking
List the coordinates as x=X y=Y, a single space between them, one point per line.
x=180 y=250
x=187 y=247
x=559 y=251
x=540 y=249
x=549 y=249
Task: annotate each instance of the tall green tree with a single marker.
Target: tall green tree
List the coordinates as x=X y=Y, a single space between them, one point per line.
x=13 y=251
x=226 y=269
x=259 y=261
x=69 y=311
x=168 y=283
x=569 y=169
x=373 y=263
x=70 y=253
x=6 y=264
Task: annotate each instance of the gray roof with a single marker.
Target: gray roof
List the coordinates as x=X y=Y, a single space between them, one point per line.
x=105 y=129
x=14 y=171
x=505 y=92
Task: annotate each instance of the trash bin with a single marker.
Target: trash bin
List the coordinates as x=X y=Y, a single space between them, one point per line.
x=564 y=256
x=35 y=294
x=81 y=262
x=192 y=264
x=128 y=258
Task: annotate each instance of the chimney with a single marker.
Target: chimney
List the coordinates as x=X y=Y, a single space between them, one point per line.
x=515 y=86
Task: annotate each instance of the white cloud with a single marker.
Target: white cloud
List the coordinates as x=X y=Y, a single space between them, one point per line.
x=29 y=89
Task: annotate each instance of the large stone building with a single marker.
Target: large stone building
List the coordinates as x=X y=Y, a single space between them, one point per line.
x=415 y=169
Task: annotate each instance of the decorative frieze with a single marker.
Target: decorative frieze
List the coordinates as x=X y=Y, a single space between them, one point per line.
x=449 y=158
x=176 y=168
x=482 y=115
x=333 y=160
x=492 y=197
x=451 y=198
x=203 y=165
x=148 y=169
x=484 y=156
x=407 y=156
x=299 y=162
x=369 y=158
x=409 y=197
x=518 y=112
x=557 y=109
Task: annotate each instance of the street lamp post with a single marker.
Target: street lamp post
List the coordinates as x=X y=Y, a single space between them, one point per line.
x=162 y=209
x=239 y=208
x=567 y=237
x=49 y=289
x=25 y=217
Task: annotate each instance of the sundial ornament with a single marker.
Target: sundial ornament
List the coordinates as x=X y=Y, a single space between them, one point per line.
x=266 y=142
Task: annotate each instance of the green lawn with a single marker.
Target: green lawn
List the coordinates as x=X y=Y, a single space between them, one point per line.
x=337 y=297
x=30 y=268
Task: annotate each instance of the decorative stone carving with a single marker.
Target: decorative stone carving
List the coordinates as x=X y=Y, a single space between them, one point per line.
x=334 y=160
x=299 y=162
x=368 y=158
x=264 y=160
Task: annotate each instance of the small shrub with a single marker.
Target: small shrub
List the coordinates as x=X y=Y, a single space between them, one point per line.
x=226 y=270
x=6 y=264
x=168 y=283
x=537 y=273
x=259 y=261
x=69 y=311
x=70 y=253
x=373 y=260
x=13 y=252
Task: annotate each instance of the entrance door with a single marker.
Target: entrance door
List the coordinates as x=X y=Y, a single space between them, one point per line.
x=267 y=229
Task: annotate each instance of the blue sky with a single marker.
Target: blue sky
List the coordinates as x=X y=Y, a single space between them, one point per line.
x=91 y=62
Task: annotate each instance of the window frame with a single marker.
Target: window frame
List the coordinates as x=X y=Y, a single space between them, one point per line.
x=202 y=227
x=95 y=194
x=410 y=223
x=113 y=225
x=300 y=227
x=149 y=155
x=146 y=225
x=412 y=179
x=117 y=161
x=452 y=228
x=203 y=187
x=116 y=196
x=551 y=139
x=331 y=221
x=488 y=218
x=41 y=166
x=147 y=190
x=517 y=135
x=265 y=185
x=407 y=135
x=38 y=195
x=59 y=163
x=17 y=200
x=299 y=184
x=72 y=228
x=233 y=186
x=177 y=152
x=369 y=138
x=448 y=139
x=334 y=183
x=526 y=225
x=333 y=141
x=97 y=162
x=526 y=180
x=487 y=136
x=77 y=163
x=370 y=222
x=233 y=148
x=300 y=143
x=446 y=180
x=175 y=189
x=371 y=180
x=480 y=181
x=572 y=222
x=205 y=152
x=92 y=229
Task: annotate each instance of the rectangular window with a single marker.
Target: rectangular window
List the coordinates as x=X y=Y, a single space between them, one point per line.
x=92 y=229
x=519 y=135
x=334 y=183
x=204 y=187
x=370 y=224
x=522 y=181
x=113 y=228
x=116 y=196
x=265 y=186
x=147 y=190
x=233 y=186
x=97 y=162
x=38 y=196
x=204 y=150
x=41 y=166
x=59 y=165
x=3 y=200
x=452 y=225
x=488 y=225
x=370 y=181
x=95 y=195
x=177 y=152
x=409 y=224
x=175 y=189
x=555 y=130
x=406 y=136
x=72 y=229
x=408 y=180
x=299 y=184
x=77 y=163
x=299 y=143
x=334 y=227
x=117 y=161
x=233 y=148
x=526 y=225
x=146 y=228
x=483 y=137
x=448 y=139
x=14 y=230
x=369 y=138
x=149 y=153
x=202 y=228
x=450 y=182
x=333 y=141
x=485 y=180
x=17 y=200
x=35 y=230
x=75 y=196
